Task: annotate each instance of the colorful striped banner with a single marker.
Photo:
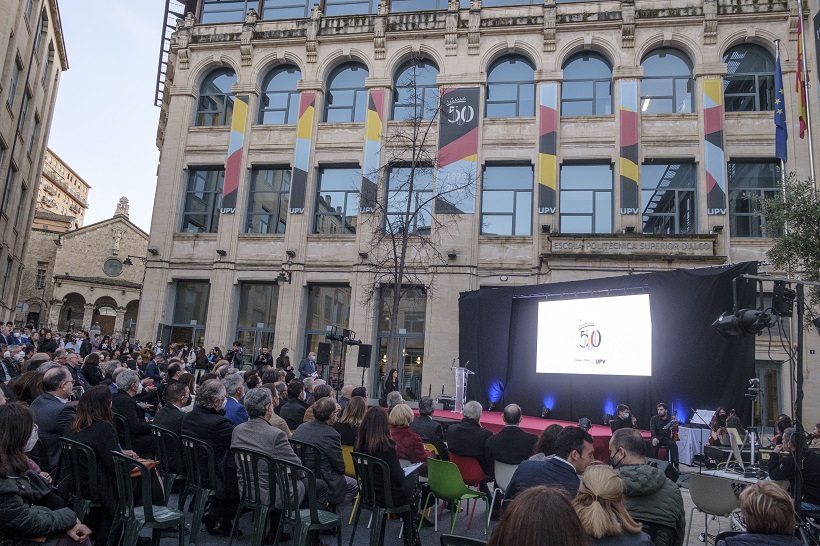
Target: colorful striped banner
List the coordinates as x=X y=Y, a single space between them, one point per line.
x=713 y=146
x=630 y=172
x=457 y=167
x=233 y=164
x=301 y=152
x=547 y=147
x=373 y=126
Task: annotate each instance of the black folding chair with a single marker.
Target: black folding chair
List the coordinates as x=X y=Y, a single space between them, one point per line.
x=83 y=481
x=201 y=469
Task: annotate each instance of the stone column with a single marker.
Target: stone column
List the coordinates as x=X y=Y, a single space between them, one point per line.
x=628 y=167
x=118 y=322
x=54 y=314
x=88 y=316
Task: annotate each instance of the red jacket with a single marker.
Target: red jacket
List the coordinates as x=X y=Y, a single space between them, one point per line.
x=409 y=445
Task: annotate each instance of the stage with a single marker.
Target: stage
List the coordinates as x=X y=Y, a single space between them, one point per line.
x=494 y=421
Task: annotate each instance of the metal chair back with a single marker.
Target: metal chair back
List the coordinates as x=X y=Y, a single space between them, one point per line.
x=123 y=431
x=83 y=481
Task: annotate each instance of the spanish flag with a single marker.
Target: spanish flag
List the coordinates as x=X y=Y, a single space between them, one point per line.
x=800 y=80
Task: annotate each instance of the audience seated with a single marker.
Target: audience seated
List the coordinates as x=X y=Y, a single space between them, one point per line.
x=91 y=369
x=511 y=445
x=274 y=418
x=346 y=395
x=468 y=438
x=430 y=431
x=320 y=433
x=573 y=454
x=545 y=446
x=782 y=467
x=348 y=425
x=649 y=495
x=22 y=520
x=235 y=387
x=600 y=507
x=123 y=403
x=52 y=412
x=28 y=386
x=170 y=415
x=769 y=514
x=360 y=391
x=539 y=516
x=322 y=390
x=293 y=410
x=409 y=445
x=207 y=422
x=394 y=398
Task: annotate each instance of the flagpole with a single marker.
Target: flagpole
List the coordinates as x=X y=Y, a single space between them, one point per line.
x=808 y=101
x=782 y=161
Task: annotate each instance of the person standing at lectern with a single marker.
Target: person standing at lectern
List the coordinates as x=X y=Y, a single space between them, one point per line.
x=660 y=426
x=307 y=367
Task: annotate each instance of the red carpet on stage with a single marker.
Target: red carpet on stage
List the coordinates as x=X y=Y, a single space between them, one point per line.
x=494 y=421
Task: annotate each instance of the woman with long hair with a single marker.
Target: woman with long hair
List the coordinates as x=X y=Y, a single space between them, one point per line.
x=391 y=381
x=23 y=520
x=539 y=516
x=374 y=440
x=91 y=369
x=348 y=425
x=283 y=362
x=600 y=507
x=545 y=446
x=48 y=344
x=28 y=386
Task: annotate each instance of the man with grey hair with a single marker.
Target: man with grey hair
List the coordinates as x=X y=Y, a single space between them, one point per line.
x=123 y=403
x=782 y=467
x=319 y=392
x=345 y=395
x=320 y=433
x=51 y=411
x=235 y=387
x=430 y=431
x=308 y=382
x=394 y=398
x=73 y=365
x=206 y=422
x=259 y=435
x=511 y=445
x=468 y=438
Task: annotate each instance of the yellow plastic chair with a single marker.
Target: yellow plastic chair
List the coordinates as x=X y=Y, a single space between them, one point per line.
x=350 y=470
x=431 y=448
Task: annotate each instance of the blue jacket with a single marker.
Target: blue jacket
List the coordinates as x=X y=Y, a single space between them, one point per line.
x=550 y=472
x=152 y=371
x=754 y=539
x=235 y=412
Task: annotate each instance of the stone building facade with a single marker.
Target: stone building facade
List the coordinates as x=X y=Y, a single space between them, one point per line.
x=592 y=139
x=87 y=278
x=62 y=191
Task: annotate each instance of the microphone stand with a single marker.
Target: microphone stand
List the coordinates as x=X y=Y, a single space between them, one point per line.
x=700 y=459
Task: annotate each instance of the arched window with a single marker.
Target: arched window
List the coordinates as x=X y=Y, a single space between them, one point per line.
x=346 y=98
x=280 y=99
x=667 y=82
x=587 y=86
x=415 y=94
x=749 y=82
x=511 y=88
x=215 y=99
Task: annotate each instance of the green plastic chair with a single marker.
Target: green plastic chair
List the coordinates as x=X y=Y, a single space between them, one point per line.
x=453 y=540
x=123 y=431
x=303 y=520
x=309 y=454
x=248 y=462
x=134 y=518
x=200 y=465
x=171 y=468
x=83 y=481
x=445 y=483
x=367 y=468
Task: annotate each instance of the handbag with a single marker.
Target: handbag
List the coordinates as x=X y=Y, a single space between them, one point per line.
x=149 y=463
x=40 y=488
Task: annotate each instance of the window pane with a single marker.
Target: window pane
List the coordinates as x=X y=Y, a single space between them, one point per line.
x=498 y=201
x=576 y=202
x=501 y=110
x=496 y=225
x=586 y=177
x=328 y=306
x=603 y=212
x=191 y=302
x=523 y=213
x=257 y=305
x=576 y=224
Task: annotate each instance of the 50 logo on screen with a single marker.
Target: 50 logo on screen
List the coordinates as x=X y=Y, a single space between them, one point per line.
x=590 y=337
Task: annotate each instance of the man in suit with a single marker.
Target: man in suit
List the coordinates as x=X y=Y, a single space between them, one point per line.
x=468 y=438
x=51 y=411
x=293 y=410
x=511 y=445
x=573 y=454
x=321 y=434
x=307 y=367
x=171 y=414
x=430 y=431
x=258 y=434
x=235 y=387
x=123 y=403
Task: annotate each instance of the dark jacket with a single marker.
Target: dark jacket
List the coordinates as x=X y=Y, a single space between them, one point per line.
x=208 y=425
x=201 y=362
x=782 y=467
x=48 y=346
x=20 y=521
x=322 y=435
x=152 y=371
x=469 y=439
x=617 y=423
x=102 y=438
x=85 y=348
x=93 y=374
x=510 y=445
x=347 y=432
x=263 y=360
x=397 y=478
x=293 y=412
x=170 y=417
x=431 y=433
x=550 y=472
x=141 y=438
x=651 y=497
x=52 y=417
x=626 y=539
x=754 y=539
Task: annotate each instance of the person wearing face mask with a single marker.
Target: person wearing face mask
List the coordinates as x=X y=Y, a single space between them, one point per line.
x=128 y=386
x=307 y=367
x=623 y=418
x=207 y=422
x=649 y=495
x=716 y=425
x=235 y=387
x=283 y=362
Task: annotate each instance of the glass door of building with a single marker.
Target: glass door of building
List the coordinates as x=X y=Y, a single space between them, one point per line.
x=769 y=401
x=409 y=359
x=252 y=340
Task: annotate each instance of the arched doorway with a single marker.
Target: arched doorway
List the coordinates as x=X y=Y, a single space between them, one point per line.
x=71 y=314
x=130 y=320
x=105 y=314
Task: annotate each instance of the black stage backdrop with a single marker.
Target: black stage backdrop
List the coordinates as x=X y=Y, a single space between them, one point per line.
x=692 y=365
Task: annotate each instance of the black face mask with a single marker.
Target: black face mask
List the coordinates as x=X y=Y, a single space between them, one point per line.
x=721 y=420
x=613 y=463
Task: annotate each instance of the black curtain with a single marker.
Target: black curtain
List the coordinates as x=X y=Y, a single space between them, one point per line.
x=692 y=365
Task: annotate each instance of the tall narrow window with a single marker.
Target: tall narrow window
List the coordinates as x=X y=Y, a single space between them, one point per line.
x=215 y=105
x=29 y=9
x=511 y=88
x=279 y=103
x=21 y=121
x=35 y=129
x=506 y=200
x=256 y=321
x=337 y=201
x=191 y=302
x=16 y=67
x=9 y=186
x=587 y=86
x=20 y=205
x=586 y=198
x=415 y=94
x=346 y=98
x=409 y=200
x=667 y=82
x=268 y=200
x=749 y=183
x=6 y=276
x=47 y=64
x=202 y=200
x=328 y=305
x=749 y=82
x=668 y=195
x=40 y=281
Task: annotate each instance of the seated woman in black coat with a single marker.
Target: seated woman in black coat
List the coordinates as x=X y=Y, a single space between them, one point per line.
x=374 y=440
x=21 y=520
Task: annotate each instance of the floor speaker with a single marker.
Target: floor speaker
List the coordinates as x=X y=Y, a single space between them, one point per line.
x=364 y=356
x=665 y=467
x=323 y=354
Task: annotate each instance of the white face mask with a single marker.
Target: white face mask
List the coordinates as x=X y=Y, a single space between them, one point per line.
x=287 y=354
x=139 y=388
x=32 y=440
x=224 y=404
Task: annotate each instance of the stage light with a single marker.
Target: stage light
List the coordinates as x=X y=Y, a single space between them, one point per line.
x=745 y=321
x=584 y=423
x=546 y=228
x=492 y=406
x=545 y=412
x=606 y=419
x=783 y=299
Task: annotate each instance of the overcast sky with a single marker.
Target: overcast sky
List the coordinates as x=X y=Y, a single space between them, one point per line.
x=105 y=121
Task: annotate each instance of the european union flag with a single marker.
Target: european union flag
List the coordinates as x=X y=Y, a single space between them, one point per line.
x=781 y=133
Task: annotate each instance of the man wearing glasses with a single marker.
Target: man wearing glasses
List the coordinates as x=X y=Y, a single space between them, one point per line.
x=52 y=412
